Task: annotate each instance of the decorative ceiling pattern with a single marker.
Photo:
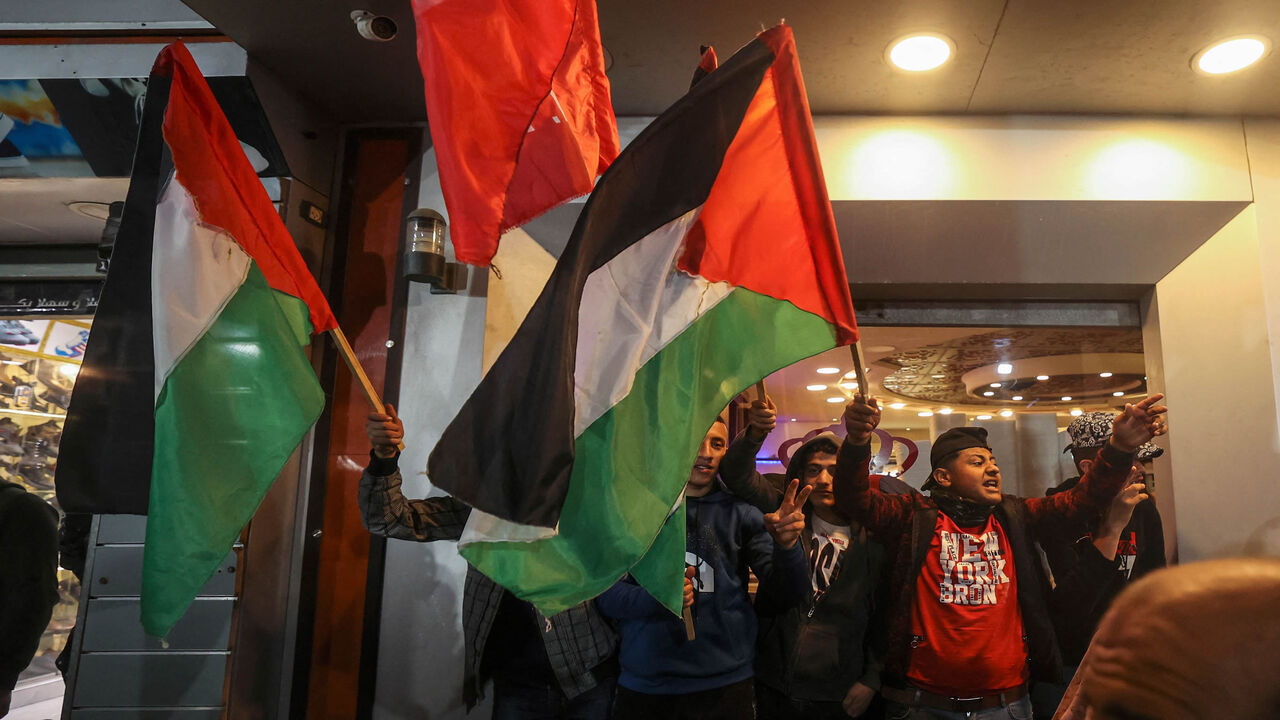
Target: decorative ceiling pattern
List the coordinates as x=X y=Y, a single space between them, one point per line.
x=934 y=373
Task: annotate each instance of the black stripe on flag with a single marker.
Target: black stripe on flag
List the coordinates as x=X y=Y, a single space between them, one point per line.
x=104 y=463
x=509 y=451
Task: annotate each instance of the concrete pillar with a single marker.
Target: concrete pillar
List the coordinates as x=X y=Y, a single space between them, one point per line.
x=1038 y=453
x=939 y=424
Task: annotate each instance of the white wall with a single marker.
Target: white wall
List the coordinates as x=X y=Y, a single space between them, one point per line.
x=1219 y=377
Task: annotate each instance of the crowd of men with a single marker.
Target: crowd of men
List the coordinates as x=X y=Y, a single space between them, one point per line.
x=873 y=599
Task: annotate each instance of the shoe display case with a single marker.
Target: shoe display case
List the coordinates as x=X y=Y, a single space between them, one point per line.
x=39 y=360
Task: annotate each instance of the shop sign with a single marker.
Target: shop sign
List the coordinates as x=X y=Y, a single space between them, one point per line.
x=61 y=298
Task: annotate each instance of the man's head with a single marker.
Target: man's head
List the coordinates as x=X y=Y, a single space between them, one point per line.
x=815 y=464
x=964 y=465
x=1090 y=432
x=707 y=463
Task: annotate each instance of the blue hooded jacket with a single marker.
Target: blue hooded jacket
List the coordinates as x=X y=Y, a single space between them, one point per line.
x=724 y=537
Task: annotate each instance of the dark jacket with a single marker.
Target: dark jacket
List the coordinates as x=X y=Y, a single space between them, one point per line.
x=906 y=526
x=577 y=640
x=725 y=536
x=1085 y=582
x=816 y=650
x=28 y=577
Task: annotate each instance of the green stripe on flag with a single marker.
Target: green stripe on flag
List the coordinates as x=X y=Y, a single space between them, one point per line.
x=631 y=464
x=231 y=413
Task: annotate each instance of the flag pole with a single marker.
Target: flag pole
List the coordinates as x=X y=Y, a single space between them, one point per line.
x=760 y=393
x=855 y=350
x=349 y=355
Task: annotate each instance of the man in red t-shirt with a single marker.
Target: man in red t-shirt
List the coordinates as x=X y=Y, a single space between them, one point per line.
x=967 y=622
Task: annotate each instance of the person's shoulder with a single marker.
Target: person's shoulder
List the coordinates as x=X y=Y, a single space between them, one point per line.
x=16 y=503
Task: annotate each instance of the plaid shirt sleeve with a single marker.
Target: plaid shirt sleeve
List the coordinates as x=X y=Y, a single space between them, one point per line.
x=386 y=511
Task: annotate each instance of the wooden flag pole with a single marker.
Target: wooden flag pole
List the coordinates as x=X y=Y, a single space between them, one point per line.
x=863 y=388
x=689 y=634
x=349 y=355
x=760 y=393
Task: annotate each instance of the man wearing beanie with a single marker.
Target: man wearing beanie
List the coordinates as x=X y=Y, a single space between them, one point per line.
x=813 y=661
x=968 y=624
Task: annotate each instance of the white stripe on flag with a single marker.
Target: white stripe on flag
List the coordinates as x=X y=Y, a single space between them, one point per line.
x=631 y=308
x=195 y=270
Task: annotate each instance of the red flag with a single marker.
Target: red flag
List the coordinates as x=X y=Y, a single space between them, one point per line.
x=519 y=108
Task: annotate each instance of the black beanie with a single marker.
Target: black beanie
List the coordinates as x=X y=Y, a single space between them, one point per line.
x=956 y=439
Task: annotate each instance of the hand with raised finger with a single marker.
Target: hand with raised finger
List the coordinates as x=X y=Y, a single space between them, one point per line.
x=385 y=432
x=786 y=524
x=762 y=417
x=689 y=573
x=861 y=418
x=1120 y=511
x=1138 y=424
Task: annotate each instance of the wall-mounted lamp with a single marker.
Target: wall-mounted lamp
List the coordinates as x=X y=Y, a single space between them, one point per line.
x=424 y=253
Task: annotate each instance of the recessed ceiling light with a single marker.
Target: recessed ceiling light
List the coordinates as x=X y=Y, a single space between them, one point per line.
x=1118 y=393
x=1066 y=398
x=994 y=385
x=1017 y=398
x=833 y=420
x=851 y=374
x=944 y=411
x=939 y=376
x=836 y=399
x=828 y=371
x=919 y=52
x=1077 y=412
x=1004 y=368
x=897 y=406
x=988 y=393
x=815 y=388
x=925 y=413
x=1006 y=413
x=793 y=419
x=1231 y=54
x=1042 y=378
x=849 y=385
x=908 y=428
x=983 y=417
x=1104 y=374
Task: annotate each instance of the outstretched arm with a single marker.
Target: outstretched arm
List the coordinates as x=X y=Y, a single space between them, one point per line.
x=886 y=516
x=1104 y=479
x=738 y=467
x=627 y=600
x=384 y=509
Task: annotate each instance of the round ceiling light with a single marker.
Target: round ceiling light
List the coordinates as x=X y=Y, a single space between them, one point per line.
x=1017 y=397
x=1006 y=413
x=1118 y=393
x=983 y=417
x=1042 y=378
x=1231 y=54
x=1077 y=412
x=945 y=411
x=988 y=394
x=897 y=406
x=1104 y=375
x=1004 y=368
x=925 y=413
x=828 y=371
x=815 y=388
x=919 y=52
x=836 y=399
x=1066 y=398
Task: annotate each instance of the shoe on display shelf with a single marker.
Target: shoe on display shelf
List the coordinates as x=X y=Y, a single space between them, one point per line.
x=13 y=332
x=37 y=477
x=73 y=348
x=10 y=431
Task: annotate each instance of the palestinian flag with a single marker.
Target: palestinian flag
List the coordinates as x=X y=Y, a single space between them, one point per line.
x=198 y=347
x=705 y=259
x=519 y=107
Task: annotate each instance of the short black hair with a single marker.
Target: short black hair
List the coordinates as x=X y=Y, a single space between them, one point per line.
x=1080 y=454
x=806 y=453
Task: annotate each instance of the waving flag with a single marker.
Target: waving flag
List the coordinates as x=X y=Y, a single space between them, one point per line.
x=705 y=259
x=198 y=346
x=519 y=108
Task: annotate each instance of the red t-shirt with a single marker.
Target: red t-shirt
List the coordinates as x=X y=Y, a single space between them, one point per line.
x=965 y=622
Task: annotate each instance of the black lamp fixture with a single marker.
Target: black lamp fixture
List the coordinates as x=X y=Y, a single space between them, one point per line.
x=424 y=253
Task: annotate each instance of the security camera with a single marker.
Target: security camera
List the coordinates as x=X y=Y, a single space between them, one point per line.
x=378 y=28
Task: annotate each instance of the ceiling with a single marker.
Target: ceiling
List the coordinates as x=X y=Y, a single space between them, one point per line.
x=1013 y=56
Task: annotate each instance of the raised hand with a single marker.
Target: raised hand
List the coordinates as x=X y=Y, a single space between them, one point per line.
x=689 y=572
x=385 y=431
x=786 y=524
x=861 y=417
x=762 y=416
x=1139 y=423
